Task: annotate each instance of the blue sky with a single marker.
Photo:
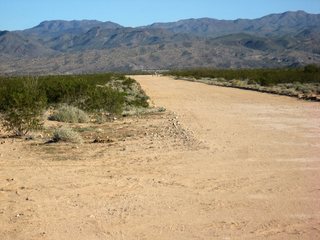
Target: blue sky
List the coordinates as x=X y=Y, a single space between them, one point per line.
x=22 y=14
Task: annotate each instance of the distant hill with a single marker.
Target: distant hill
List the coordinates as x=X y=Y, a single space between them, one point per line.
x=17 y=45
x=58 y=27
x=274 y=24
x=286 y=39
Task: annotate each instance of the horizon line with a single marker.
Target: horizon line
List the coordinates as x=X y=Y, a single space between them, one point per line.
x=160 y=22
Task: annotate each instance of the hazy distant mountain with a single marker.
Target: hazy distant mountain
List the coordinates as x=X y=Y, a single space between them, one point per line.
x=97 y=38
x=58 y=27
x=16 y=45
x=287 y=39
x=274 y=24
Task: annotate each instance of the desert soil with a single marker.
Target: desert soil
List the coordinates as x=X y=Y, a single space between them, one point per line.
x=220 y=163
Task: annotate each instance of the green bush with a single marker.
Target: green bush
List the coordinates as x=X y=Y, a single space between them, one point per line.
x=104 y=99
x=71 y=89
x=70 y=114
x=88 y=92
x=132 y=91
x=298 y=82
x=265 y=77
x=312 y=68
x=22 y=105
x=23 y=99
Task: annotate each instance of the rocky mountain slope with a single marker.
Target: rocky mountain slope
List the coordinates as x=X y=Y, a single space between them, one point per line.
x=287 y=39
x=271 y=25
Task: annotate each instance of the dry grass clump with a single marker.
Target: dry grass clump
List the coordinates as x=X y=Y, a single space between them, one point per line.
x=70 y=114
x=132 y=111
x=65 y=134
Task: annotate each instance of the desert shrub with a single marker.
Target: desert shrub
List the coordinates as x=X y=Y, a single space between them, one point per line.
x=266 y=81
x=130 y=111
x=70 y=114
x=88 y=92
x=252 y=82
x=312 y=68
x=66 y=135
x=21 y=105
x=265 y=77
x=285 y=81
x=23 y=99
x=133 y=93
x=136 y=97
x=104 y=98
x=71 y=89
x=128 y=82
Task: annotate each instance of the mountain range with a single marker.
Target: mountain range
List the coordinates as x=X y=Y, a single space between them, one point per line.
x=56 y=47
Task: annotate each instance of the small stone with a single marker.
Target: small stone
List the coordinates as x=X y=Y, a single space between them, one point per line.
x=28 y=138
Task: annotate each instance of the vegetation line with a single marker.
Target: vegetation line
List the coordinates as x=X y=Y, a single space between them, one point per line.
x=23 y=100
x=303 y=83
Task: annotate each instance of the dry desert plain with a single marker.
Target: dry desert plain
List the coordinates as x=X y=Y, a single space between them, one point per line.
x=220 y=163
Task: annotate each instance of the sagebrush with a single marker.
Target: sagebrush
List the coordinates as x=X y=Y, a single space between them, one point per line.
x=66 y=135
x=70 y=114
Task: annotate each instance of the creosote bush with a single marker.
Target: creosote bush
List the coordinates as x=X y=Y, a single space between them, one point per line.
x=263 y=77
x=23 y=99
x=104 y=99
x=298 y=82
x=21 y=105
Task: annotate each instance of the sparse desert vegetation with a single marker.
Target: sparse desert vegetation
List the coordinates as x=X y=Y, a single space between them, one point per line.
x=73 y=98
x=216 y=151
x=70 y=114
x=65 y=134
x=86 y=154
x=297 y=82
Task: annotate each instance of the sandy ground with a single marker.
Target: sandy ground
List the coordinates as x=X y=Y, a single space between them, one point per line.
x=221 y=163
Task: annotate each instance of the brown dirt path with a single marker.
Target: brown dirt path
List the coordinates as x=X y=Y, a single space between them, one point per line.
x=228 y=164
x=260 y=176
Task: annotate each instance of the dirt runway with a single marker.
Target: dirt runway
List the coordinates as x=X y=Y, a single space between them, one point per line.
x=222 y=163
